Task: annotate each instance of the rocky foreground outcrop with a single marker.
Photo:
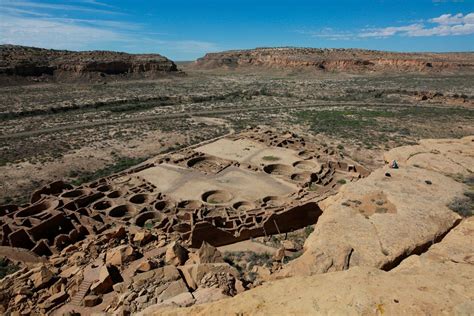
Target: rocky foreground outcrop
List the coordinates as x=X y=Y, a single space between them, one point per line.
x=20 y=62
x=337 y=60
x=439 y=282
x=388 y=244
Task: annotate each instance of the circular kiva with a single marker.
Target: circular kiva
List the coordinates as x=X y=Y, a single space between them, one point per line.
x=202 y=162
x=121 y=211
x=217 y=197
x=163 y=205
x=243 y=206
x=274 y=200
x=190 y=204
x=305 y=165
x=122 y=179
x=102 y=205
x=115 y=194
x=139 y=198
x=104 y=188
x=37 y=208
x=278 y=169
x=302 y=177
x=305 y=154
x=73 y=193
x=142 y=218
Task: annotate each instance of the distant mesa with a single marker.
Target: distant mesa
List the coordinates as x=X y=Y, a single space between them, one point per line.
x=21 y=63
x=336 y=60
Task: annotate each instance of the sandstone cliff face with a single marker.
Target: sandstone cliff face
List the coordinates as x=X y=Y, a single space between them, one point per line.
x=410 y=210
x=19 y=61
x=338 y=60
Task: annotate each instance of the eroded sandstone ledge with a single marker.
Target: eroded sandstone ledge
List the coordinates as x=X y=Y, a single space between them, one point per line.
x=337 y=60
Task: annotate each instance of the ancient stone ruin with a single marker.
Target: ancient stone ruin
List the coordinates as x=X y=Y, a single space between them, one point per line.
x=251 y=184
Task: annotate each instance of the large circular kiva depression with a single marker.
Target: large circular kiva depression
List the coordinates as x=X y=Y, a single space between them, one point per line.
x=190 y=204
x=243 y=206
x=217 y=197
x=163 y=205
x=121 y=211
x=306 y=165
x=139 y=198
x=278 y=169
x=302 y=177
x=275 y=200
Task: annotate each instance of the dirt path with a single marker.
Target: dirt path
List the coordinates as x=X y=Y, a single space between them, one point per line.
x=179 y=115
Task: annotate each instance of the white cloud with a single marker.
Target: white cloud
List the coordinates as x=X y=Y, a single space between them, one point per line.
x=444 y=25
x=51 y=33
x=449 y=19
x=41 y=30
x=47 y=25
x=30 y=5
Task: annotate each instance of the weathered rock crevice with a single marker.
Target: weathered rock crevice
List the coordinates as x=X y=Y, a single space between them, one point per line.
x=418 y=250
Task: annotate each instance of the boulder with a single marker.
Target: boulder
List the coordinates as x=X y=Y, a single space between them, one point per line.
x=91 y=300
x=142 y=238
x=164 y=274
x=146 y=265
x=288 y=245
x=108 y=276
x=176 y=254
x=206 y=254
x=194 y=273
x=69 y=272
x=174 y=288
x=42 y=278
x=54 y=300
x=120 y=255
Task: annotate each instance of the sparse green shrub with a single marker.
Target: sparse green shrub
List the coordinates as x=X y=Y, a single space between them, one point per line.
x=308 y=230
x=7 y=267
x=464 y=206
x=292 y=257
x=270 y=158
x=259 y=259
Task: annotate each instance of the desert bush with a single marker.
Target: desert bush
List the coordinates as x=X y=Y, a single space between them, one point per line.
x=308 y=230
x=7 y=267
x=464 y=206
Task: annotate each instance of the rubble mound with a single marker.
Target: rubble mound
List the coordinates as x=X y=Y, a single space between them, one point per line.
x=38 y=64
x=337 y=60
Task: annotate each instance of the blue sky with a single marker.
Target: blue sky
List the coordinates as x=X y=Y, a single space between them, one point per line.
x=185 y=30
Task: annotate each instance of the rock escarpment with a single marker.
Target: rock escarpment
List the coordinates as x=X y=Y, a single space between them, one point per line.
x=392 y=213
x=338 y=60
x=439 y=282
x=18 y=62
